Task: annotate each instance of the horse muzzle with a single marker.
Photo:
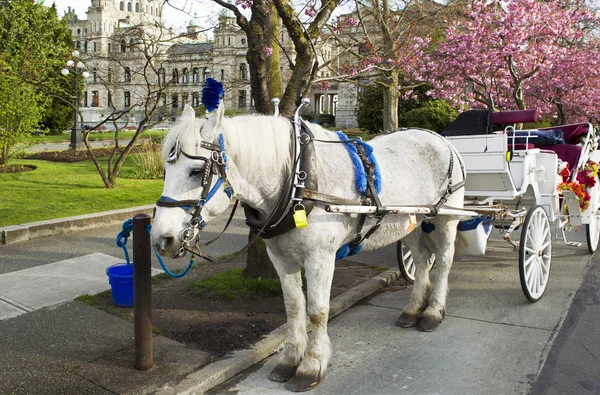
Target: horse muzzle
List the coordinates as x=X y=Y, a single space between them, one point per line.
x=168 y=245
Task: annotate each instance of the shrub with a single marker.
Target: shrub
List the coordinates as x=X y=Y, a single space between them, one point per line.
x=148 y=163
x=369 y=112
x=433 y=115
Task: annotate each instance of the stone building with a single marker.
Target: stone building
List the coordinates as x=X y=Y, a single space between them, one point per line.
x=131 y=55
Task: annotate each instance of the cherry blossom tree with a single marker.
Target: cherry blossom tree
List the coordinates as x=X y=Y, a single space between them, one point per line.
x=375 y=42
x=511 y=54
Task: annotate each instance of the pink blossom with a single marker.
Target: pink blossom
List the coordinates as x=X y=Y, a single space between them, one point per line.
x=268 y=51
x=324 y=85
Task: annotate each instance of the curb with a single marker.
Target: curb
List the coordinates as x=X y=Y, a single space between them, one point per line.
x=33 y=230
x=220 y=371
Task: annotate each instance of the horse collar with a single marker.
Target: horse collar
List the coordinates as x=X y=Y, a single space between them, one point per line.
x=281 y=220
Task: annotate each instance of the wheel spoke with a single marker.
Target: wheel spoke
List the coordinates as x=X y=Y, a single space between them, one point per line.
x=545 y=245
x=530 y=250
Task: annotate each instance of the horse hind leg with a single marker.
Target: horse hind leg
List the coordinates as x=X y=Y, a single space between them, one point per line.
x=436 y=309
x=294 y=344
x=319 y=275
x=412 y=312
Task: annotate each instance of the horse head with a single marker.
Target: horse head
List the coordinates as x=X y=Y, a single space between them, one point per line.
x=195 y=188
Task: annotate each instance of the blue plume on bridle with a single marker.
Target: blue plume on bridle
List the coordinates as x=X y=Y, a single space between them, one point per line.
x=211 y=93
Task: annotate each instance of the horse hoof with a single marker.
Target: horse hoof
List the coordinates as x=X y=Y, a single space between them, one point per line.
x=407 y=320
x=282 y=373
x=302 y=382
x=428 y=324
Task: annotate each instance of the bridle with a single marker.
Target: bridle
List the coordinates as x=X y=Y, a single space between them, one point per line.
x=215 y=164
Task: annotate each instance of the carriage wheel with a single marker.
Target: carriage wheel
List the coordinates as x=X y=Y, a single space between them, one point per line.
x=592 y=230
x=405 y=262
x=535 y=253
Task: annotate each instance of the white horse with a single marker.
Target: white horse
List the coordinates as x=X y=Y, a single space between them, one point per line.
x=414 y=171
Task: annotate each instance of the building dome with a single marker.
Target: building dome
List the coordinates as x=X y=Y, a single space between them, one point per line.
x=226 y=13
x=195 y=22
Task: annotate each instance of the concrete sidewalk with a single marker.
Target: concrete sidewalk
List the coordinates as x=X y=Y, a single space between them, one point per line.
x=53 y=344
x=493 y=341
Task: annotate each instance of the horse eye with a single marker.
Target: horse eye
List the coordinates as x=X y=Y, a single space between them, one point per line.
x=196 y=173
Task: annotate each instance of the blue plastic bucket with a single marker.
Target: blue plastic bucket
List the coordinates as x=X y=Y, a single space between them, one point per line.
x=120 y=278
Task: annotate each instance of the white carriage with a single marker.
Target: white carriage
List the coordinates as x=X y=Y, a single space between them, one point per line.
x=513 y=180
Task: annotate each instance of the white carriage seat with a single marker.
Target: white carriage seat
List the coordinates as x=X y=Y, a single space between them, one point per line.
x=489 y=173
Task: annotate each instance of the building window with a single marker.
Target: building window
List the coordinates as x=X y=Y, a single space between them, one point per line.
x=123 y=46
x=127 y=74
x=109 y=75
x=229 y=41
x=95 y=47
x=131 y=45
x=127 y=99
x=78 y=46
x=206 y=74
x=85 y=46
x=161 y=76
x=184 y=76
x=121 y=6
x=79 y=32
x=164 y=99
x=222 y=74
x=95 y=75
x=195 y=99
x=175 y=101
x=175 y=77
x=137 y=7
x=151 y=10
x=242 y=99
x=85 y=99
x=95 y=99
x=109 y=99
x=243 y=71
x=128 y=6
x=184 y=98
x=243 y=41
x=195 y=76
x=109 y=47
x=146 y=8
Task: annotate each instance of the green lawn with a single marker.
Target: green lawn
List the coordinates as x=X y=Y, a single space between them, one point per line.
x=66 y=136
x=56 y=190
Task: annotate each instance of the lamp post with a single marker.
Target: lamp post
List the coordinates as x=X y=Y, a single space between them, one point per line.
x=76 y=67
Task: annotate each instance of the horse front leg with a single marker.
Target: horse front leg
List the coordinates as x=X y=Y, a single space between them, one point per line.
x=319 y=275
x=412 y=312
x=294 y=344
x=436 y=310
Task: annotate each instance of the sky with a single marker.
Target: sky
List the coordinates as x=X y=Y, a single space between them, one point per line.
x=205 y=9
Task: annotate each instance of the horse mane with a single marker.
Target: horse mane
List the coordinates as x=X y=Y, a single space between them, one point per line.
x=259 y=141
x=253 y=141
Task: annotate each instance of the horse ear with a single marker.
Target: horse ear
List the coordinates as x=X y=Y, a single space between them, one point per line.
x=188 y=113
x=215 y=120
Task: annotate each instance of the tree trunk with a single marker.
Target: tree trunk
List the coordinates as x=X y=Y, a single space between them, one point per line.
x=562 y=116
x=274 y=79
x=391 y=96
x=258 y=263
x=257 y=57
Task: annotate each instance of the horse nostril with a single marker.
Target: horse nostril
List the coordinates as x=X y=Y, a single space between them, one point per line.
x=165 y=243
x=168 y=242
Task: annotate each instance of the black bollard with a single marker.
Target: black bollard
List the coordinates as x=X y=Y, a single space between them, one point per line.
x=142 y=288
